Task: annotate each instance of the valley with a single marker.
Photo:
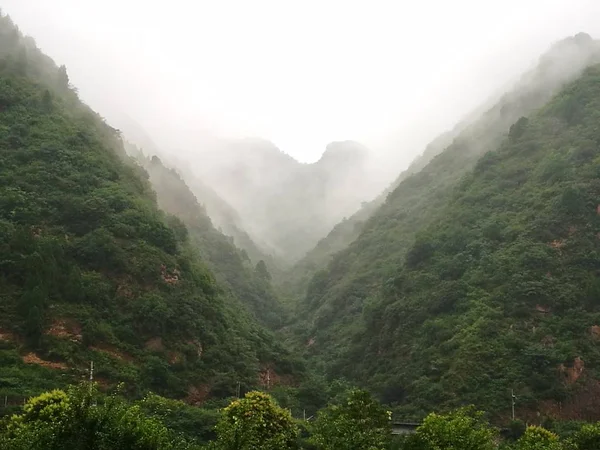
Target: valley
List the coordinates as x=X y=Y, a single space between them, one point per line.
x=247 y=300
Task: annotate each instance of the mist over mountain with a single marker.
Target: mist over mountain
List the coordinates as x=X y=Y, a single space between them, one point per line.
x=476 y=132
x=176 y=268
x=285 y=204
x=399 y=307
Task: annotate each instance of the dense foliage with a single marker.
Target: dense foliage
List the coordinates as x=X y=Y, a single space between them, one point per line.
x=91 y=269
x=423 y=188
x=358 y=421
x=502 y=293
x=82 y=419
x=463 y=284
x=254 y=422
x=464 y=429
x=477 y=275
x=248 y=281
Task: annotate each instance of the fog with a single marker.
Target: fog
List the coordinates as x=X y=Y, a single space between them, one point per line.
x=182 y=76
x=300 y=74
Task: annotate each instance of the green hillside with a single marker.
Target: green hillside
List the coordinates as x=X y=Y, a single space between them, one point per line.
x=91 y=269
x=295 y=280
x=503 y=291
x=363 y=321
x=476 y=133
x=248 y=282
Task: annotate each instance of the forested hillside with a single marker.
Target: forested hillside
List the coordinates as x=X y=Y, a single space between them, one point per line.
x=91 y=269
x=507 y=282
x=295 y=280
x=406 y=306
x=247 y=281
x=426 y=190
x=225 y=218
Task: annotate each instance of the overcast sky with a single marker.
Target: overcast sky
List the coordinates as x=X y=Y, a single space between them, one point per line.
x=298 y=73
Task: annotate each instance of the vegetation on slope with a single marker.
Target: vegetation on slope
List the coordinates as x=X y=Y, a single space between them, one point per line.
x=336 y=296
x=90 y=268
x=500 y=290
x=249 y=282
x=426 y=185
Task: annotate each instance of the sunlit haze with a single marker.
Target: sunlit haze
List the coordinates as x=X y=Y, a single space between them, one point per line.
x=391 y=74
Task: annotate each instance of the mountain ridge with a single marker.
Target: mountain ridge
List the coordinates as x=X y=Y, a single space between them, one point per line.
x=91 y=269
x=341 y=298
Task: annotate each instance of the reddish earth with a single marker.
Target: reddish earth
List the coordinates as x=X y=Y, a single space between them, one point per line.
x=197 y=394
x=572 y=374
x=155 y=344
x=7 y=336
x=32 y=358
x=169 y=276
x=112 y=351
x=268 y=378
x=66 y=329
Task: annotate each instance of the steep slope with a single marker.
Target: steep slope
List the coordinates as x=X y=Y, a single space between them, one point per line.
x=222 y=215
x=91 y=270
x=248 y=282
x=284 y=205
x=295 y=280
x=503 y=291
x=479 y=130
x=227 y=220
x=336 y=296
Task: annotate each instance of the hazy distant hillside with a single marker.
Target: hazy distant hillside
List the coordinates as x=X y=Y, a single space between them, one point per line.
x=233 y=268
x=286 y=205
x=222 y=215
x=354 y=289
x=295 y=279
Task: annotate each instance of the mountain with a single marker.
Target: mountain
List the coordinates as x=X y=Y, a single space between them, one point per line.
x=92 y=270
x=284 y=205
x=296 y=278
x=482 y=128
x=221 y=215
x=227 y=220
x=464 y=283
x=249 y=282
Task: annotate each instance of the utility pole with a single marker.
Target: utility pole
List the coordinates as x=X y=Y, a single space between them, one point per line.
x=513 y=398
x=238 y=389
x=92 y=382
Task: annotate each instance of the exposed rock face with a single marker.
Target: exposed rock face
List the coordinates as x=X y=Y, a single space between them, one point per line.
x=572 y=374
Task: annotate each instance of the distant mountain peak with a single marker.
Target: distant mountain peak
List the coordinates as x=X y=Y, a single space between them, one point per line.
x=344 y=152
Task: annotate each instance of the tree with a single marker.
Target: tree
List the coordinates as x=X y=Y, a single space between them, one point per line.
x=538 y=438
x=47 y=103
x=63 y=78
x=358 y=422
x=83 y=419
x=464 y=429
x=262 y=271
x=255 y=422
x=587 y=438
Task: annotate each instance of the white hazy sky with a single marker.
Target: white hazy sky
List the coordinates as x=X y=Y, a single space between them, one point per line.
x=299 y=73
